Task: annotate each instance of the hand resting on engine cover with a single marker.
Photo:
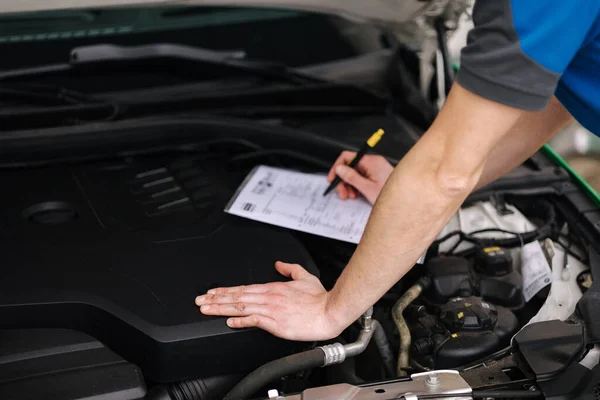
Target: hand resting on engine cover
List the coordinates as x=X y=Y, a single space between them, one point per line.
x=472 y=142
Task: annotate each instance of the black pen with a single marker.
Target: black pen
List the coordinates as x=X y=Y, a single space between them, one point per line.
x=372 y=142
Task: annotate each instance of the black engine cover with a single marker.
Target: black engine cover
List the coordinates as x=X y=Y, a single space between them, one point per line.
x=119 y=250
x=60 y=364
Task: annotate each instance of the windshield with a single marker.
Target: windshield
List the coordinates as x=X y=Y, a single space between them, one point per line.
x=290 y=37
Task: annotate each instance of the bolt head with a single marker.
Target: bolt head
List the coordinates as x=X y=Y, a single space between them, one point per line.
x=432 y=380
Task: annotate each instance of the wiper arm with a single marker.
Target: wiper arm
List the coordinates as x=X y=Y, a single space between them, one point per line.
x=109 y=53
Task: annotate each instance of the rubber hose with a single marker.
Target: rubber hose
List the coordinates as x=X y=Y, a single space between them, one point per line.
x=385 y=350
x=418 y=366
x=269 y=372
x=212 y=388
x=397 y=314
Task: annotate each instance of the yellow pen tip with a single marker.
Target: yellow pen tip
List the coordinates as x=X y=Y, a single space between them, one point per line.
x=375 y=138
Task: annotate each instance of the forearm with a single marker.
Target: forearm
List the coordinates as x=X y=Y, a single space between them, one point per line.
x=531 y=131
x=409 y=213
x=419 y=198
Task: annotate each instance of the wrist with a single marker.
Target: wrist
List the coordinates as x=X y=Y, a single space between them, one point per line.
x=337 y=314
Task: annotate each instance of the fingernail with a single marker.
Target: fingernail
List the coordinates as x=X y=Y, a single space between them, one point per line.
x=230 y=323
x=212 y=291
x=200 y=299
x=205 y=307
x=339 y=169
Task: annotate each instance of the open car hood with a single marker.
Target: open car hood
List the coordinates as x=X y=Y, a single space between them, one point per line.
x=374 y=11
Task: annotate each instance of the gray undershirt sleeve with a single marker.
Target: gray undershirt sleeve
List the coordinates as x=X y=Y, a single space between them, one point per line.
x=494 y=66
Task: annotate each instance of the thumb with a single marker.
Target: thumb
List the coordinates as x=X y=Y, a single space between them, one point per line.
x=351 y=177
x=293 y=271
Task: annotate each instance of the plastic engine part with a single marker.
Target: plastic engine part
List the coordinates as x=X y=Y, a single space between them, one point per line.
x=60 y=364
x=466 y=330
x=550 y=347
x=450 y=277
x=493 y=278
x=120 y=250
x=477 y=329
x=494 y=261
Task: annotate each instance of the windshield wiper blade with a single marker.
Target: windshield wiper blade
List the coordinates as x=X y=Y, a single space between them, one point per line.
x=41 y=94
x=108 y=53
x=33 y=71
x=259 y=102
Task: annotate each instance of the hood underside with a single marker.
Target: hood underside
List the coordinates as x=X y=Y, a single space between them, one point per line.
x=377 y=11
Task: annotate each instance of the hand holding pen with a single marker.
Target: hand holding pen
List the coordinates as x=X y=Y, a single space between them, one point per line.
x=367 y=176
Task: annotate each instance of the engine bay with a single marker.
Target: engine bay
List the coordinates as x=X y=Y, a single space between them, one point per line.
x=103 y=258
x=125 y=132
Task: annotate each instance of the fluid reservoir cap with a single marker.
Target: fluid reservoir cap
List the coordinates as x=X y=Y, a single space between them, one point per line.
x=494 y=261
x=470 y=314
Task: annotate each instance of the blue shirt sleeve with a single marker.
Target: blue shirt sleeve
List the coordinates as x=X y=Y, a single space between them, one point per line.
x=552 y=31
x=518 y=49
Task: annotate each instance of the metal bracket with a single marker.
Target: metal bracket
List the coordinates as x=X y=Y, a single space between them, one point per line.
x=447 y=384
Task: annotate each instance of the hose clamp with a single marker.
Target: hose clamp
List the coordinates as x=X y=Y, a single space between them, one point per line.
x=334 y=353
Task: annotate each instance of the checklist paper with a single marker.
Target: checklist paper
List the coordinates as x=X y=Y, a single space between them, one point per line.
x=294 y=200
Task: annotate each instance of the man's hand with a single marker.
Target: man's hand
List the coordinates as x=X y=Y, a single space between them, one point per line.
x=369 y=177
x=294 y=310
x=419 y=198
